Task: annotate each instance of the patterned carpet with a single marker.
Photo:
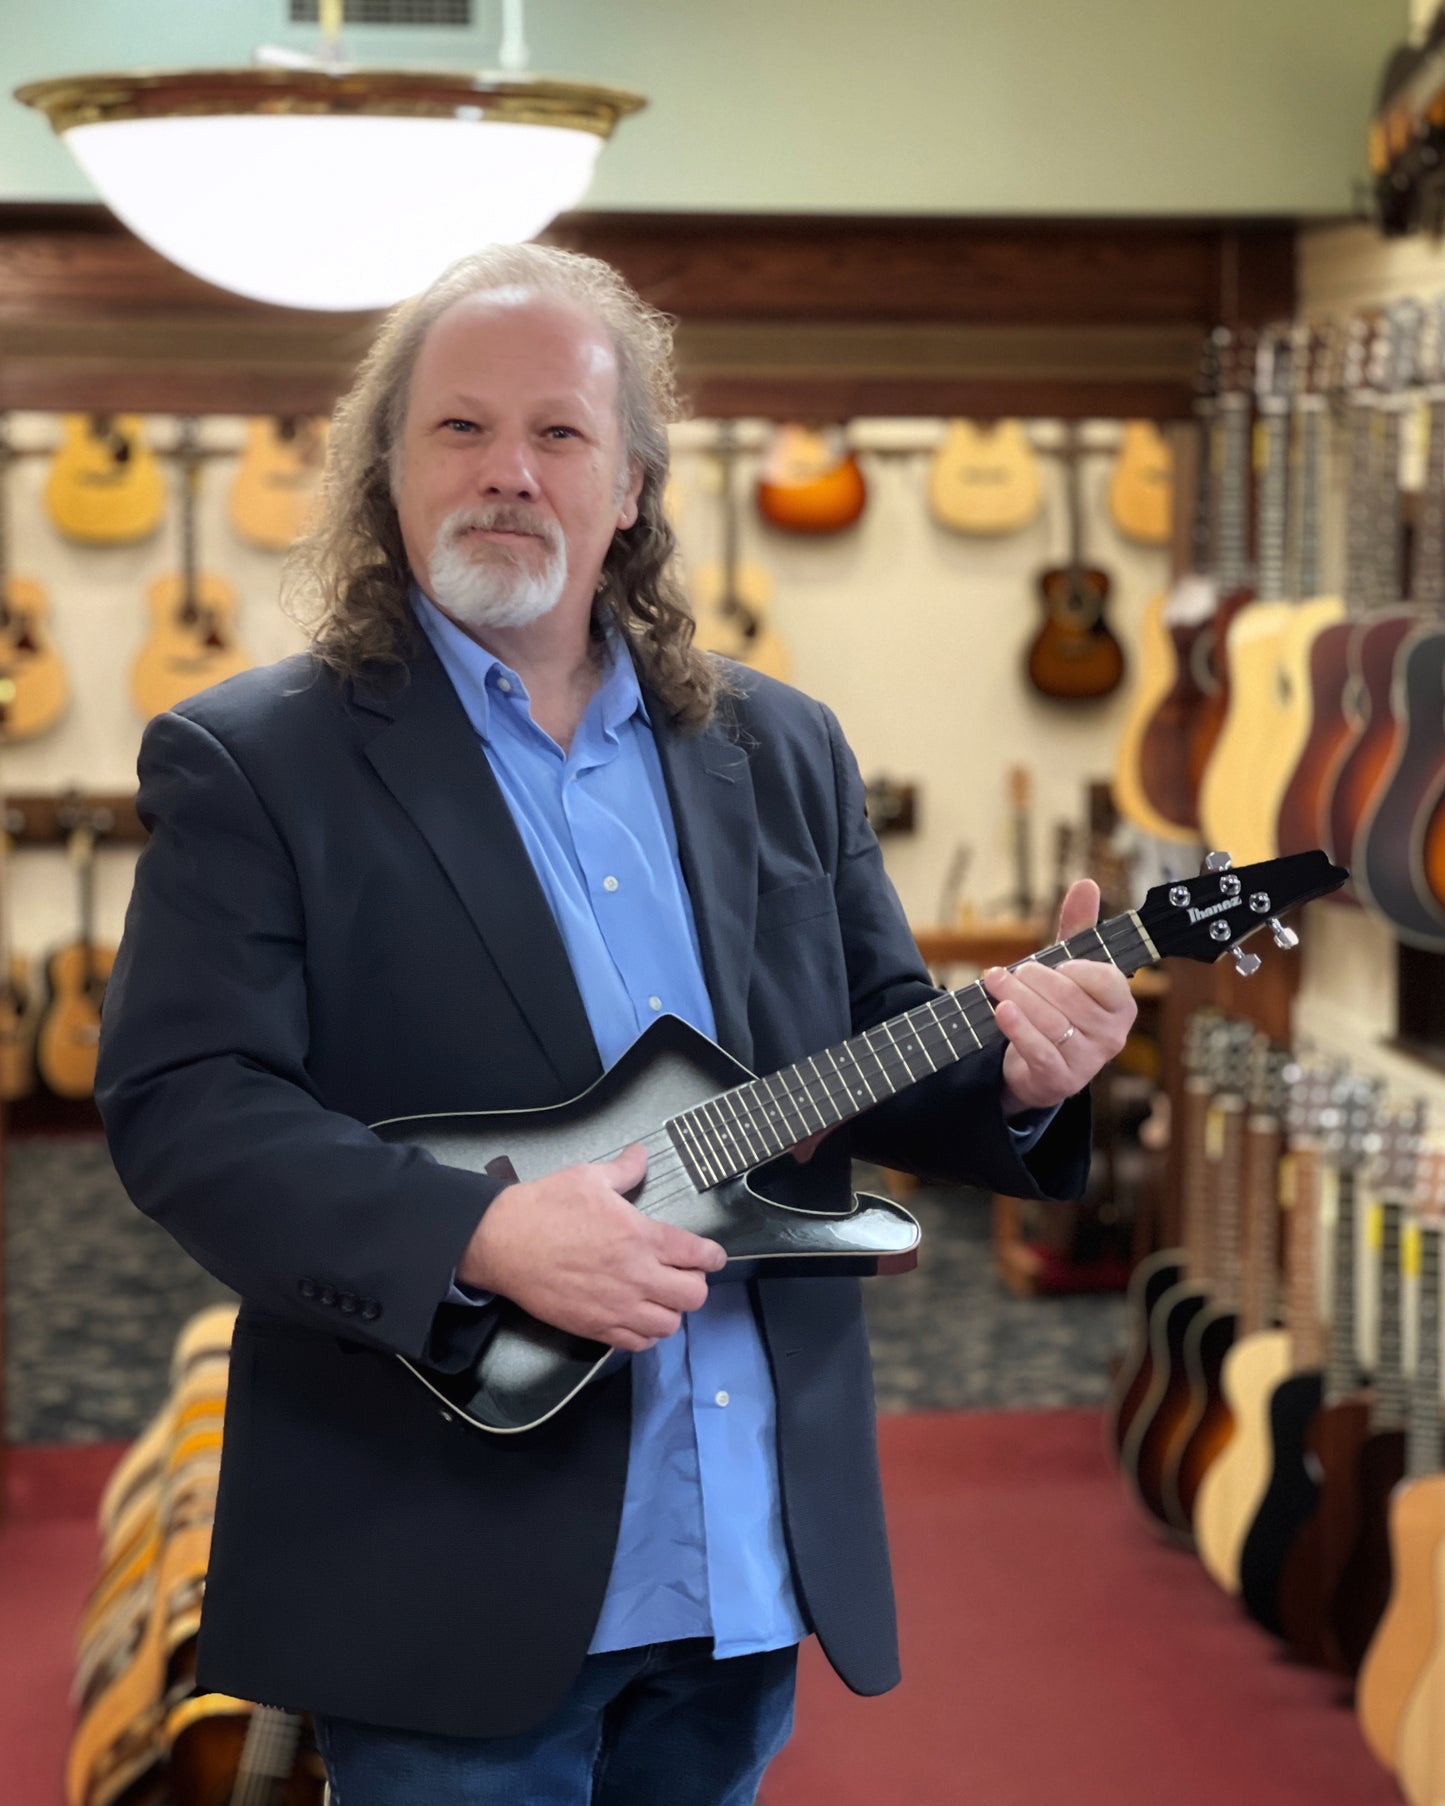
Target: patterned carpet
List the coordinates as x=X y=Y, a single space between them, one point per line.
x=95 y=1294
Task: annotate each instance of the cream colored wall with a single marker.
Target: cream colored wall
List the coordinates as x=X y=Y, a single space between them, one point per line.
x=913 y=634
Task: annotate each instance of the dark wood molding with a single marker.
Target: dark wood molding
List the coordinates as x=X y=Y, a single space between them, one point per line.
x=778 y=315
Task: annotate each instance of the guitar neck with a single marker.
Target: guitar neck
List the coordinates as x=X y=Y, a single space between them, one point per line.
x=737 y=1130
x=1425 y=1442
x=1261 y=1169
x=1302 y=1316
x=1342 y=1371
x=1392 y=1394
x=1229 y=1173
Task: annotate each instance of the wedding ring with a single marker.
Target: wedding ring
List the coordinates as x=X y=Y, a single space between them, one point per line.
x=1060 y=1040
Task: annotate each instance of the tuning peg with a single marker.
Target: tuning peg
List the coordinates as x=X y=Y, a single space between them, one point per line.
x=1216 y=862
x=1247 y=964
x=1283 y=937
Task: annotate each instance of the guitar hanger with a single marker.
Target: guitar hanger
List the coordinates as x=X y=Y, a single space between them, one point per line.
x=47 y=819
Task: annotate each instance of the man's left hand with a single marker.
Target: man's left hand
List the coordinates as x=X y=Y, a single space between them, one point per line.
x=1063 y=1023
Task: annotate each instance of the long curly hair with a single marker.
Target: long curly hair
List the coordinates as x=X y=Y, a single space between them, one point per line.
x=347 y=579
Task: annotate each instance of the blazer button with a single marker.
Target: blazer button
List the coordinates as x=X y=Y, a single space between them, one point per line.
x=327 y=1295
x=347 y=1301
x=307 y=1289
x=370 y=1310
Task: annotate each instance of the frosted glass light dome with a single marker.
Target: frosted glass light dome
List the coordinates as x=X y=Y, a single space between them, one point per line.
x=339 y=191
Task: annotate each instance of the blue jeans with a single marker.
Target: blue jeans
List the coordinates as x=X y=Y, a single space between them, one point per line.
x=664 y=1725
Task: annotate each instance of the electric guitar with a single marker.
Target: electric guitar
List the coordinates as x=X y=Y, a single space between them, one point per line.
x=192 y=643
x=985 y=478
x=34 y=689
x=708 y=1125
x=811 y=482
x=104 y=487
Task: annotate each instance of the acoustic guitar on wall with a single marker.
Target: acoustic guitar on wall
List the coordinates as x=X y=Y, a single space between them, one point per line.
x=34 y=688
x=1141 y=486
x=984 y=478
x=1074 y=656
x=274 y=488
x=810 y=481
x=192 y=643
x=69 y=1035
x=104 y=486
x=731 y=599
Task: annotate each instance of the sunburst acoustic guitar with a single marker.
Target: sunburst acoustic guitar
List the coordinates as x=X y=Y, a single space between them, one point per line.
x=34 y=688
x=810 y=481
x=192 y=643
x=1264 y=1357
x=1413 y=1625
x=104 y=487
x=984 y=478
x=1074 y=656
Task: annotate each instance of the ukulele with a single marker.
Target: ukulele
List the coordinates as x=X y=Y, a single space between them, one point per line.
x=1141 y=488
x=731 y=600
x=1074 y=657
x=810 y=482
x=721 y=1123
x=1363 y=1590
x=33 y=686
x=274 y=488
x=1226 y=791
x=1411 y=1634
x=191 y=644
x=68 y=1041
x=104 y=487
x=984 y=478
x=1154 y=785
x=1263 y=1356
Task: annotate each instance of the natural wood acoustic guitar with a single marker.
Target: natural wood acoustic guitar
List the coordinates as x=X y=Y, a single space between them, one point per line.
x=192 y=643
x=984 y=478
x=19 y=1000
x=274 y=489
x=1141 y=486
x=1074 y=656
x=104 y=487
x=810 y=481
x=1413 y=1626
x=1263 y=1357
x=732 y=600
x=34 y=688
x=68 y=1039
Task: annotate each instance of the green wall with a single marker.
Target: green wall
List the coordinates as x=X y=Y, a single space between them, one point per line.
x=978 y=106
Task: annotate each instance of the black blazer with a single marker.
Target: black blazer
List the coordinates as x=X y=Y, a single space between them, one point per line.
x=335 y=921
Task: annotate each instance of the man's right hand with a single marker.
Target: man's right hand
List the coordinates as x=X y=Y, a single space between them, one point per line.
x=573 y=1252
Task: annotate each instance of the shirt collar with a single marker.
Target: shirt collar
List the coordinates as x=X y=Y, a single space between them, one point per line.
x=473 y=672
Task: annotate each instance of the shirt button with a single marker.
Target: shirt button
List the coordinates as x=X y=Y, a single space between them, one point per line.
x=654 y=1003
x=505 y=683
x=609 y=884
x=719 y=1398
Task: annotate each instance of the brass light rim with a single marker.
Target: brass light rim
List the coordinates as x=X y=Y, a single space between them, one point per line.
x=483 y=96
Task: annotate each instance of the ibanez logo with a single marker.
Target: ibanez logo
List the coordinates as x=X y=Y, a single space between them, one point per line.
x=1214 y=909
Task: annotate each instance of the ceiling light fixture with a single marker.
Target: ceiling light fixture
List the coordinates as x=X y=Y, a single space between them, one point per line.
x=324 y=185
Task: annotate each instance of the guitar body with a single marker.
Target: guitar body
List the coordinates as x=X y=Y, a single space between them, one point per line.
x=1292 y=707
x=1074 y=656
x=1412 y=1624
x=1212 y=655
x=191 y=646
x=1148 y=1283
x=1290 y=1498
x=1301 y=810
x=36 y=686
x=1156 y=1432
x=1391 y=871
x=1420 y=1749
x=1229 y=804
x=69 y=1038
x=985 y=479
x=1363 y=763
x=104 y=487
x=732 y=619
x=1167 y=749
x=529 y=1370
x=18 y=1017
x=1209 y=1424
x=1318 y=1555
x=1141 y=488
x=1157 y=664
x=205 y=1738
x=1363 y=1591
x=1234 y=1486
x=811 y=483
x=275 y=484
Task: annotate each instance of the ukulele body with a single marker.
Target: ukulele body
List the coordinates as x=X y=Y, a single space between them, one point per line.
x=1231 y=1491
x=1363 y=1590
x=1411 y=1626
x=732 y=619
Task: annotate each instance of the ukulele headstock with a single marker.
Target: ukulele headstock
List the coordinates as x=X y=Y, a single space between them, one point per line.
x=1206 y=917
x=1351 y=1121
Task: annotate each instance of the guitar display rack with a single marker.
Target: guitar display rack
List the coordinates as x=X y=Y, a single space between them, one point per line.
x=47 y=819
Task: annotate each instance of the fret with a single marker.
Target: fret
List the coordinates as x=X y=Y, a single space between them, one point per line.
x=754 y=1148
x=1425 y=1447
x=1342 y=1368
x=684 y=1136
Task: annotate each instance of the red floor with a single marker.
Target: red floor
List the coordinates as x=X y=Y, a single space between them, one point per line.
x=1053 y=1650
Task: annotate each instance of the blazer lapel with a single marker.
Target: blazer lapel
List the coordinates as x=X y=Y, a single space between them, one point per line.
x=429 y=758
x=711 y=786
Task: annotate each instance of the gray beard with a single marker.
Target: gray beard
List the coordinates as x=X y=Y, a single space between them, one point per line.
x=484 y=585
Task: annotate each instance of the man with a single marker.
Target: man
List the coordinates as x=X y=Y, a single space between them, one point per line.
x=502 y=818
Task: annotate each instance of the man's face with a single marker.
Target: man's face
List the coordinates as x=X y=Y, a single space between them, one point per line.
x=512 y=479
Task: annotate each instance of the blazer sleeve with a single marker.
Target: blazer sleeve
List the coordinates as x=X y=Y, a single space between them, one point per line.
x=950 y=1126
x=214 y=1125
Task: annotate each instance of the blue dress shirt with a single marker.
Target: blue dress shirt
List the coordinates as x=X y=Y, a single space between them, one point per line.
x=700 y=1550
